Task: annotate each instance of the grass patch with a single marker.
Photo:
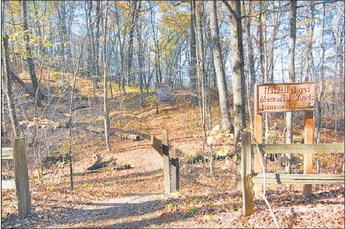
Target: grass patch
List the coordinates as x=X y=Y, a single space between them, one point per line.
x=192 y=209
x=170 y=206
x=208 y=217
x=194 y=197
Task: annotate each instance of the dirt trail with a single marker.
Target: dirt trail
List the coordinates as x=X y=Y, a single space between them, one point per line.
x=128 y=211
x=142 y=187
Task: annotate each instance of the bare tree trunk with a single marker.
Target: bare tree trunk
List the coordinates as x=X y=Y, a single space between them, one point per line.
x=21 y=82
x=97 y=38
x=193 y=58
x=219 y=69
x=8 y=88
x=198 y=10
x=140 y=58
x=251 y=61
x=157 y=48
x=270 y=66
x=105 y=105
x=122 y=59
x=238 y=75
x=71 y=110
x=263 y=60
x=291 y=73
x=321 y=84
x=29 y=59
x=90 y=67
x=338 y=95
x=130 y=44
x=310 y=61
x=261 y=44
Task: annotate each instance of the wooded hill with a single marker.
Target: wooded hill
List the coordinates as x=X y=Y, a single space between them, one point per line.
x=78 y=84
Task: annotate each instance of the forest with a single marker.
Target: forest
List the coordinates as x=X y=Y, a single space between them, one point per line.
x=173 y=114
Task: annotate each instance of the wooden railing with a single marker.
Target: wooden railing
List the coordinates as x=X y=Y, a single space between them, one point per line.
x=249 y=178
x=21 y=181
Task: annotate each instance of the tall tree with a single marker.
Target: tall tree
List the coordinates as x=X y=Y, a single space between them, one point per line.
x=218 y=63
x=156 y=45
x=310 y=76
x=29 y=59
x=90 y=67
x=8 y=87
x=250 y=53
x=105 y=99
x=134 y=14
x=238 y=76
x=193 y=58
x=261 y=31
x=140 y=57
x=321 y=79
x=97 y=37
x=291 y=73
x=200 y=69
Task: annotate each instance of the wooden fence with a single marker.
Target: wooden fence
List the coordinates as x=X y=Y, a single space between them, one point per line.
x=170 y=162
x=21 y=181
x=249 y=178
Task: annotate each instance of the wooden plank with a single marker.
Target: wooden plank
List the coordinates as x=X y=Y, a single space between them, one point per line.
x=21 y=177
x=247 y=191
x=6 y=153
x=8 y=184
x=300 y=148
x=166 y=162
x=258 y=139
x=156 y=144
x=273 y=178
x=308 y=139
x=299 y=176
x=289 y=181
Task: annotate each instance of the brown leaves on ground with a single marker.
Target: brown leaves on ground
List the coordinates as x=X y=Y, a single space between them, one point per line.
x=134 y=197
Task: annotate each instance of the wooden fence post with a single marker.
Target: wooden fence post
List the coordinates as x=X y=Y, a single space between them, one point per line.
x=308 y=139
x=174 y=171
x=258 y=137
x=21 y=177
x=246 y=173
x=166 y=162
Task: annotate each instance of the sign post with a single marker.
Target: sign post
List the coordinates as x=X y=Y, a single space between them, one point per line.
x=308 y=139
x=259 y=140
x=170 y=162
x=283 y=98
x=164 y=94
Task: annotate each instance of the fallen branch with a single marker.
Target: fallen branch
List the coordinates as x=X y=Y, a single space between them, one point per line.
x=21 y=82
x=133 y=137
x=98 y=130
x=98 y=163
x=80 y=107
